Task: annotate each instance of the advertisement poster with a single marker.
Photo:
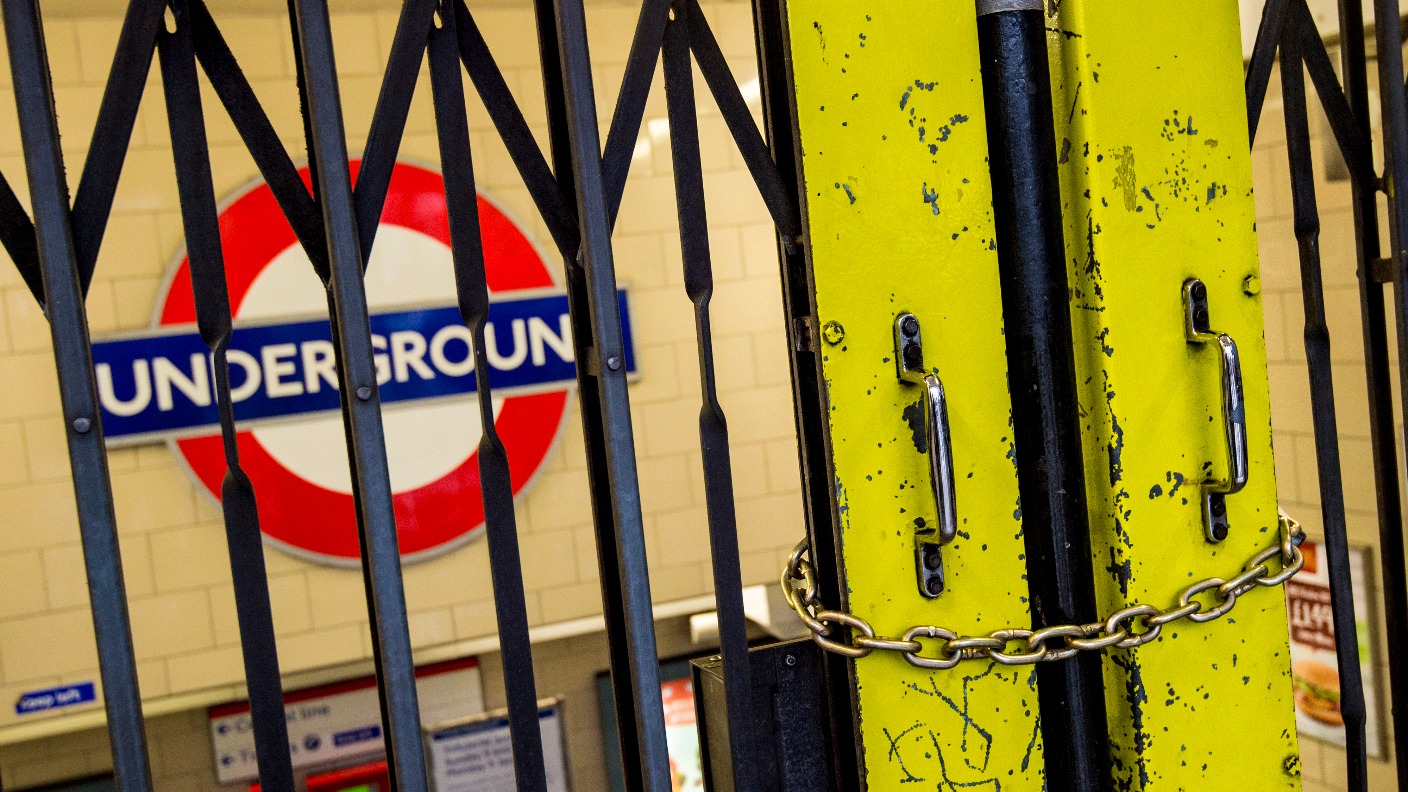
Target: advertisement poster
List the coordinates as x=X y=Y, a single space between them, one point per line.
x=1313 y=664
x=681 y=729
x=476 y=755
x=682 y=736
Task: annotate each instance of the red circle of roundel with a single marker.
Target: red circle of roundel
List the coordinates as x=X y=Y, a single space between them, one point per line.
x=311 y=519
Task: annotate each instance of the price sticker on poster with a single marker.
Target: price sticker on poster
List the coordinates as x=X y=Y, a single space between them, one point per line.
x=476 y=754
x=1314 y=667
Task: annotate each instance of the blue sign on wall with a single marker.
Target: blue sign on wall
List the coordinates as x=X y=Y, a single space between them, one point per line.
x=160 y=384
x=56 y=698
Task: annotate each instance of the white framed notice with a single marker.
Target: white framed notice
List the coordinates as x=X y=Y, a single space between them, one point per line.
x=476 y=754
x=341 y=721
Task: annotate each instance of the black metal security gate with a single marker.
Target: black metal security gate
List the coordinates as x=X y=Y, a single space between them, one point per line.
x=578 y=193
x=578 y=190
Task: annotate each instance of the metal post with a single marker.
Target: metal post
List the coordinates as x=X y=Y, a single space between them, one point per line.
x=68 y=327
x=1041 y=370
x=471 y=287
x=200 y=221
x=616 y=500
x=804 y=356
x=1322 y=403
x=361 y=404
x=1394 y=98
x=713 y=426
x=1380 y=381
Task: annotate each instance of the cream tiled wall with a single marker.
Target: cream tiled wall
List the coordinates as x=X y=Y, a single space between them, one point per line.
x=172 y=539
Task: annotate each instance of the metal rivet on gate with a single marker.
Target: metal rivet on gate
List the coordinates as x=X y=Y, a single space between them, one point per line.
x=933 y=560
x=82 y=425
x=1201 y=316
x=1200 y=291
x=613 y=363
x=935 y=586
x=833 y=333
x=912 y=354
x=1251 y=285
x=364 y=392
x=910 y=325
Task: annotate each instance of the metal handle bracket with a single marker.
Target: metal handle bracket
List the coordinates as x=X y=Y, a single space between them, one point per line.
x=1234 y=410
x=929 y=540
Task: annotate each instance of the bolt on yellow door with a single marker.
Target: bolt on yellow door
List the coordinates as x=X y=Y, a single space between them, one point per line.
x=1157 y=185
x=898 y=209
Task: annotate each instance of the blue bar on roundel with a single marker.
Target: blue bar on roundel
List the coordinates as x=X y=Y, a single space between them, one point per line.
x=159 y=384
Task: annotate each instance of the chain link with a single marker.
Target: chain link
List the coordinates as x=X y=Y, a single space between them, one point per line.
x=851 y=636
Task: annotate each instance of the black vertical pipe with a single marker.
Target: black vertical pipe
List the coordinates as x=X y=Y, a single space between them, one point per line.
x=1380 y=380
x=609 y=562
x=361 y=403
x=1042 y=378
x=472 y=291
x=191 y=154
x=1322 y=400
x=78 y=395
x=620 y=526
x=1388 y=27
x=782 y=129
x=713 y=424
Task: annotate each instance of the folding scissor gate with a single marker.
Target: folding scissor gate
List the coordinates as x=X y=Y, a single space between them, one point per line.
x=1019 y=261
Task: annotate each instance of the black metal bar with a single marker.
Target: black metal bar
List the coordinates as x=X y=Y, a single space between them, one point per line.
x=73 y=357
x=17 y=235
x=1041 y=366
x=508 y=119
x=609 y=565
x=113 y=131
x=398 y=87
x=212 y=303
x=361 y=404
x=1268 y=37
x=1394 y=97
x=1353 y=146
x=275 y=166
x=300 y=73
x=501 y=524
x=630 y=102
x=713 y=426
x=781 y=129
x=712 y=64
x=1377 y=369
x=1322 y=398
x=606 y=355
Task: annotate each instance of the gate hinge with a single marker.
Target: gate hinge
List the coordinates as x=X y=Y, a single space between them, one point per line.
x=804 y=334
x=1381 y=270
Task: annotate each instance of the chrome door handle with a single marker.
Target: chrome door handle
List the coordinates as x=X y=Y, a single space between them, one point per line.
x=930 y=539
x=940 y=458
x=1234 y=410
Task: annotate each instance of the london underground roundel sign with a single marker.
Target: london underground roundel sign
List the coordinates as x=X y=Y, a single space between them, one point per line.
x=158 y=385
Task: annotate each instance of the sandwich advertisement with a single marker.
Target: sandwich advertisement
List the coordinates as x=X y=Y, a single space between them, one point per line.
x=1313 y=661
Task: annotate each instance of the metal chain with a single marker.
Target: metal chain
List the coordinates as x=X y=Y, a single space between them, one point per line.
x=1126 y=628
